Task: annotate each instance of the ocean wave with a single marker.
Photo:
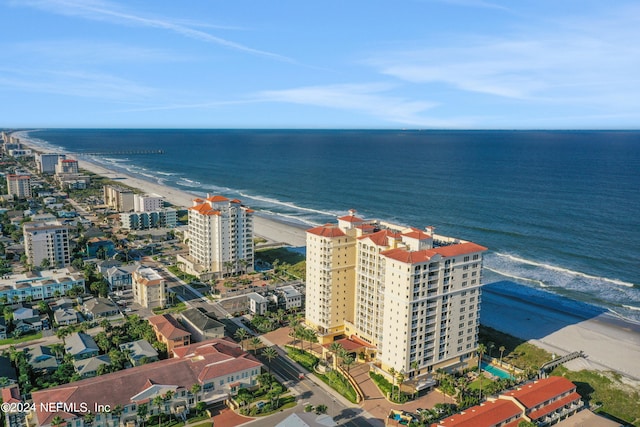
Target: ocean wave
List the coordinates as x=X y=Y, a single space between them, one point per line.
x=631 y=307
x=289 y=205
x=513 y=276
x=565 y=270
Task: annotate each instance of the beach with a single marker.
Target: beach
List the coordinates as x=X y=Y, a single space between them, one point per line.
x=610 y=343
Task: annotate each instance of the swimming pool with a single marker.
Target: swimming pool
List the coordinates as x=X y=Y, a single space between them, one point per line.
x=493 y=370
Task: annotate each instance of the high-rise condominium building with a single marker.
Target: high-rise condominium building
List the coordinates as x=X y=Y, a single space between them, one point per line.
x=412 y=295
x=220 y=238
x=48 y=241
x=47 y=162
x=118 y=198
x=19 y=186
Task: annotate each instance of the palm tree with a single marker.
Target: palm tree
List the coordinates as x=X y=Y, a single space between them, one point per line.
x=57 y=421
x=348 y=361
x=255 y=342
x=335 y=348
x=195 y=389
x=392 y=372
x=491 y=347
x=415 y=365
x=57 y=349
x=482 y=349
x=241 y=334
x=88 y=418
x=269 y=353
x=159 y=401
x=143 y=412
x=401 y=379
x=311 y=336
x=502 y=349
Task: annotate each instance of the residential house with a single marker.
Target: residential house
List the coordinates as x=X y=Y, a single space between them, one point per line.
x=289 y=298
x=11 y=395
x=8 y=373
x=3 y=329
x=89 y=367
x=119 y=276
x=257 y=303
x=201 y=326
x=169 y=332
x=65 y=316
x=139 y=352
x=42 y=359
x=218 y=366
x=100 y=247
x=81 y=346
x=96 y=308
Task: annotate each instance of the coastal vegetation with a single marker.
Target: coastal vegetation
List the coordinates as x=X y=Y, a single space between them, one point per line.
x=606 y=392
x=285 y=262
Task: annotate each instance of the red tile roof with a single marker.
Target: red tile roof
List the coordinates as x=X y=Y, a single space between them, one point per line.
x=488 y=414
x=217 y=357
x=409 y=257
x=217 y=199
x=540 y=391
x=204 y=209
x=327 y=230
x=11 y=394
x=416 y=233
x=573 y=397
x=460 y=249
x=351 y=218
x=167 y=326
x=381 y=238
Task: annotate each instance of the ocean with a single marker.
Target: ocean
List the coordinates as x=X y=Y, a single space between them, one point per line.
x=559 y=210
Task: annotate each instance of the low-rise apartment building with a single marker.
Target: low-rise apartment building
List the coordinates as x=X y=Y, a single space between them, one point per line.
x=38 y=285
x=149 y=288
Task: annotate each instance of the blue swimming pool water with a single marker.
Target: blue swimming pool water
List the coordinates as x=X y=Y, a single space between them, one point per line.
x=495 y=371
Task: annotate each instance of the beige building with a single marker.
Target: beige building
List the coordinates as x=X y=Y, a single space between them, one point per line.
x=118 y=198
x=45 y=240
x=220 y=238
x=414 y=296
x=149 y=288
x=66 y=166
x=19 y=186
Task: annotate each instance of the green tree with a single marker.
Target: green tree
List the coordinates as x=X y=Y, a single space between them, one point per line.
x=270 y=354
x=502 y=349
x=143 y=412
x=255 y=342
x=241 y=334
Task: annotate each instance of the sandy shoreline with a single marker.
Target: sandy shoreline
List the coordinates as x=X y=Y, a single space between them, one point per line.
x=610 y=343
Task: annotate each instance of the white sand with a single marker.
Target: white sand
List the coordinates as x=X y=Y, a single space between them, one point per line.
x=610 y=343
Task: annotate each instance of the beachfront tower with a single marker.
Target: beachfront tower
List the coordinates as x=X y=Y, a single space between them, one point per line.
x=411 y=298
x=220 y=238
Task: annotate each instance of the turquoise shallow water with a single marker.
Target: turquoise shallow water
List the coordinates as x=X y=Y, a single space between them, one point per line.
x=495 y=371
x=558 y=209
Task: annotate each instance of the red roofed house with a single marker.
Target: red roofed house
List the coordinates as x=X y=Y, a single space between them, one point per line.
x=169 y=332
x=220 y=238
x=411 y=295
x=543 y=402
x=218 y=366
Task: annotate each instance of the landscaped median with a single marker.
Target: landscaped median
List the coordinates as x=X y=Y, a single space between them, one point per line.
x=332 y=378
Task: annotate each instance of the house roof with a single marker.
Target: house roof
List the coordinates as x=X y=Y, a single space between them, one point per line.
x=179 y=372
x=92 y=364
x=11 y=394
x=167 y=326
x=200 y=320
x=380 y=238
x=80 y=343
x=139 y=348
x=328 y=230
x=489 y=413
x=413 y=257
x=537 y=392
x=100 y=305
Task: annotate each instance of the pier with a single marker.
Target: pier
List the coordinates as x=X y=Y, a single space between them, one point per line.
x=121 y=153
x=559 y=361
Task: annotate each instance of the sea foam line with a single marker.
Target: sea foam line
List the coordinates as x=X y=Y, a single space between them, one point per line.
x=565 y=270
x=286 y=204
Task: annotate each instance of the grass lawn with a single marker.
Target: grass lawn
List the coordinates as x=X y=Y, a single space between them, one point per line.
x=302 y=357
x=23 y=338
x=280 y=254
x=517 y=352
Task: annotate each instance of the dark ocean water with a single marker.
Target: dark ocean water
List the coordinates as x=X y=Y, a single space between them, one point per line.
x=559 y=210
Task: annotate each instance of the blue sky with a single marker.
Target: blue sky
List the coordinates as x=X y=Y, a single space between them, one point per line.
x=525 y=64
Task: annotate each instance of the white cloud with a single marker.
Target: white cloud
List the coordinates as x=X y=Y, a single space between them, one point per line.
x=113 y=13
x=593 y=61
